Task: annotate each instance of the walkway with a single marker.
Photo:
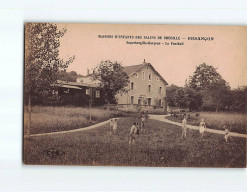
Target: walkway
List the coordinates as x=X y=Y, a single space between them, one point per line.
x=163 y=118
x=73 y=131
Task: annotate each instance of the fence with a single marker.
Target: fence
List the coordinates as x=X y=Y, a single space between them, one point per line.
x=136 y=108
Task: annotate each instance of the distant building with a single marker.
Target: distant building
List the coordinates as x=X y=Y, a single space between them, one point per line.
x=79 y=93
x=88 y=79
x=146 y=86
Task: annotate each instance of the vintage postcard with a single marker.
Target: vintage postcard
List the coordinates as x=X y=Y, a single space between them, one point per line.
x=135 y=95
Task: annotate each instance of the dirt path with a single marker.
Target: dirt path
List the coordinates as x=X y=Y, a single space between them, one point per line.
x=74 y=130
x=163 y=118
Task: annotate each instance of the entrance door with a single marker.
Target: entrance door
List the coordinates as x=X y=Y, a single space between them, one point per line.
x=132 y=99
x=160 y=102
x=149 y=101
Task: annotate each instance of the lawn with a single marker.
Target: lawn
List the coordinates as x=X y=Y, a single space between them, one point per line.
x=46 y=119
x=161 y=145
x=236 y=122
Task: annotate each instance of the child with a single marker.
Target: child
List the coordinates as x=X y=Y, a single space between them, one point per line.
x=111 y=126
x=202 y=127
x=137 y=129
x=133 y=131
x=143 y=119
x=227 y=132
x=114 y=126
x=184 y=127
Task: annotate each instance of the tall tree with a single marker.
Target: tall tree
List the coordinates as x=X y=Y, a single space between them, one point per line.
x=171 y=95
x=42 y=62
x=183 y=97
x=112 y=79
x=216 y=95
x=193 y=98
x=68 y=76
x=203 y=76
x=238 y=100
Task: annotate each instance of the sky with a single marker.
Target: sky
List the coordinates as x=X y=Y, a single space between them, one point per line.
x=175 y=63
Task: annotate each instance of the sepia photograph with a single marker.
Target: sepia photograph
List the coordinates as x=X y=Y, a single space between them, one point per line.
x=143 y=95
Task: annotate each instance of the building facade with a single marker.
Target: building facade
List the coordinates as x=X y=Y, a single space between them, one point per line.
x=79 y=93
x=146 y=86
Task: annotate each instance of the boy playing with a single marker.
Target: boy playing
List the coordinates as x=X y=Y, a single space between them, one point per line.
x=226 y=133
x=133 y=132
x=137 y=129
x=111 y=126
x=114 y=126
x=202 y=127
x=184 y=127
x=143 y=123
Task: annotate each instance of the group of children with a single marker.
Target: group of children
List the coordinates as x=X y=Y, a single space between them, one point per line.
x=134 y=130
x=202 y=129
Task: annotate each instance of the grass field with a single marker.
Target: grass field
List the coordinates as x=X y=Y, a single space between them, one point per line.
x=50 y=119
x=236 y=122
x=161 y=145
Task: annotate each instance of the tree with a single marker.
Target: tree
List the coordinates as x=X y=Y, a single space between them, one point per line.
x=90 y=101
x=42 y=62
x=238 y=101
x=170 y=95
x=112 y=79
x=68 y=76
x=193 y=98
x=216 y=95
x=203 y=76
x=73 y=73
x=183 y=97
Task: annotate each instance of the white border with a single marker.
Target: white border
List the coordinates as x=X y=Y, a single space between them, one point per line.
x=17 y=177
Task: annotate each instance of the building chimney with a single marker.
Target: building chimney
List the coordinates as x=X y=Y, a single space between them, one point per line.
x=144 y=62
x=87 y=71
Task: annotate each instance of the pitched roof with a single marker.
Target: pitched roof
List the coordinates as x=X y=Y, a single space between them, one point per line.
x=131 y=69
x=64 y=83
x=135 y=68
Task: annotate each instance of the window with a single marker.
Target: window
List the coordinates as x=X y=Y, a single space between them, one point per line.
x=143 y=75
x=149 y=101
x=132 y=99
x=131 y=85
x=97 y=94
x=150 y=76
x=149 y=88
x=160 y=102
x=160 y=90
x=87 y=92
x=157 y=79
x=136 y=75
x=139 y=101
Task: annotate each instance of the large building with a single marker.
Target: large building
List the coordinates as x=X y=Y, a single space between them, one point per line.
x=80 y=92
x=146 y=86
